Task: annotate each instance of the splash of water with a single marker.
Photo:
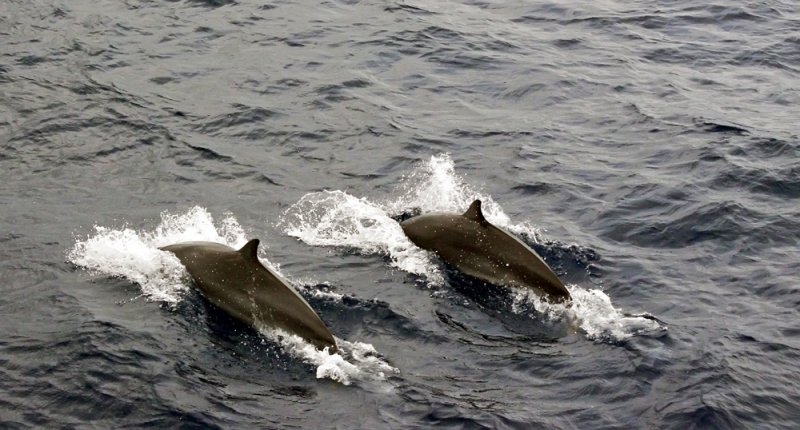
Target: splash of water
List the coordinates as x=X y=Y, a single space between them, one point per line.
x=335 y=218
x=434 y=186
x=592 y=311
x=310 y=288
x=355 y=362
x=134 y=255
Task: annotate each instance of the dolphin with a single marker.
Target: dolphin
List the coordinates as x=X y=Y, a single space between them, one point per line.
x=485 y=252
x=236 y=282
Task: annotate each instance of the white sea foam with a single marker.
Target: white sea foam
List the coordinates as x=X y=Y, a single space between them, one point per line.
x=354 y=362
x=592 y=311
x=134 y=255
x=434 y=186
x=309 y=287
x=335 y=218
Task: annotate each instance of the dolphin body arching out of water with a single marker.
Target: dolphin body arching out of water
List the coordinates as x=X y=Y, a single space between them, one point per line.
x=237 y=282
x=485 y=252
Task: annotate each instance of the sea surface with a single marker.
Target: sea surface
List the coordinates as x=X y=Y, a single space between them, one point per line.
x=647 y=150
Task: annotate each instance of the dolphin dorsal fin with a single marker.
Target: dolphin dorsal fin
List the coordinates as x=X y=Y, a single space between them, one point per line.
x=250 y=249
x=474 y=213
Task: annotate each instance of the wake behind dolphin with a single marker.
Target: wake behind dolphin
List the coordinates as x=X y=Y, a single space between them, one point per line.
x=136 y=255
x=481 y=250
x=337 y=219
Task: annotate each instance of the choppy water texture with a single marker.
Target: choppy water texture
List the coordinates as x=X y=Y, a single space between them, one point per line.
x=647 y=150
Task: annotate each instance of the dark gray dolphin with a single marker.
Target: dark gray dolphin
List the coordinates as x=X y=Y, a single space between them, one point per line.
x=479 y=249
x=239 y=284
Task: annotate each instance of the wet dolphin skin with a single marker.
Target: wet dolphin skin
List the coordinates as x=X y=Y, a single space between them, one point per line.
x=237 y=282
x=481 y=250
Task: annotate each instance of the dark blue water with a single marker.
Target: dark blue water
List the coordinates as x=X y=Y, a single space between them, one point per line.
x=647 y=150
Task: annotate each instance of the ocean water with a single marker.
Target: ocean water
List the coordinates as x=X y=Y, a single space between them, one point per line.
x=649 y=151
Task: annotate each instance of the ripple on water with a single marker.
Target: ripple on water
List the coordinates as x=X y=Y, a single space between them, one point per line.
x=657 y=145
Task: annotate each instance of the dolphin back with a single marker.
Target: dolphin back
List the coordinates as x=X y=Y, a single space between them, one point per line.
x=476 y=247
x=237 y=282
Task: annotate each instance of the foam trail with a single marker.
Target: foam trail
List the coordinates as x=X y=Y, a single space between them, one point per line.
x=134 y=255
x=313 y=289
x=434 y=186
x=335 y=218
x=355 y=362
x=592 y=311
